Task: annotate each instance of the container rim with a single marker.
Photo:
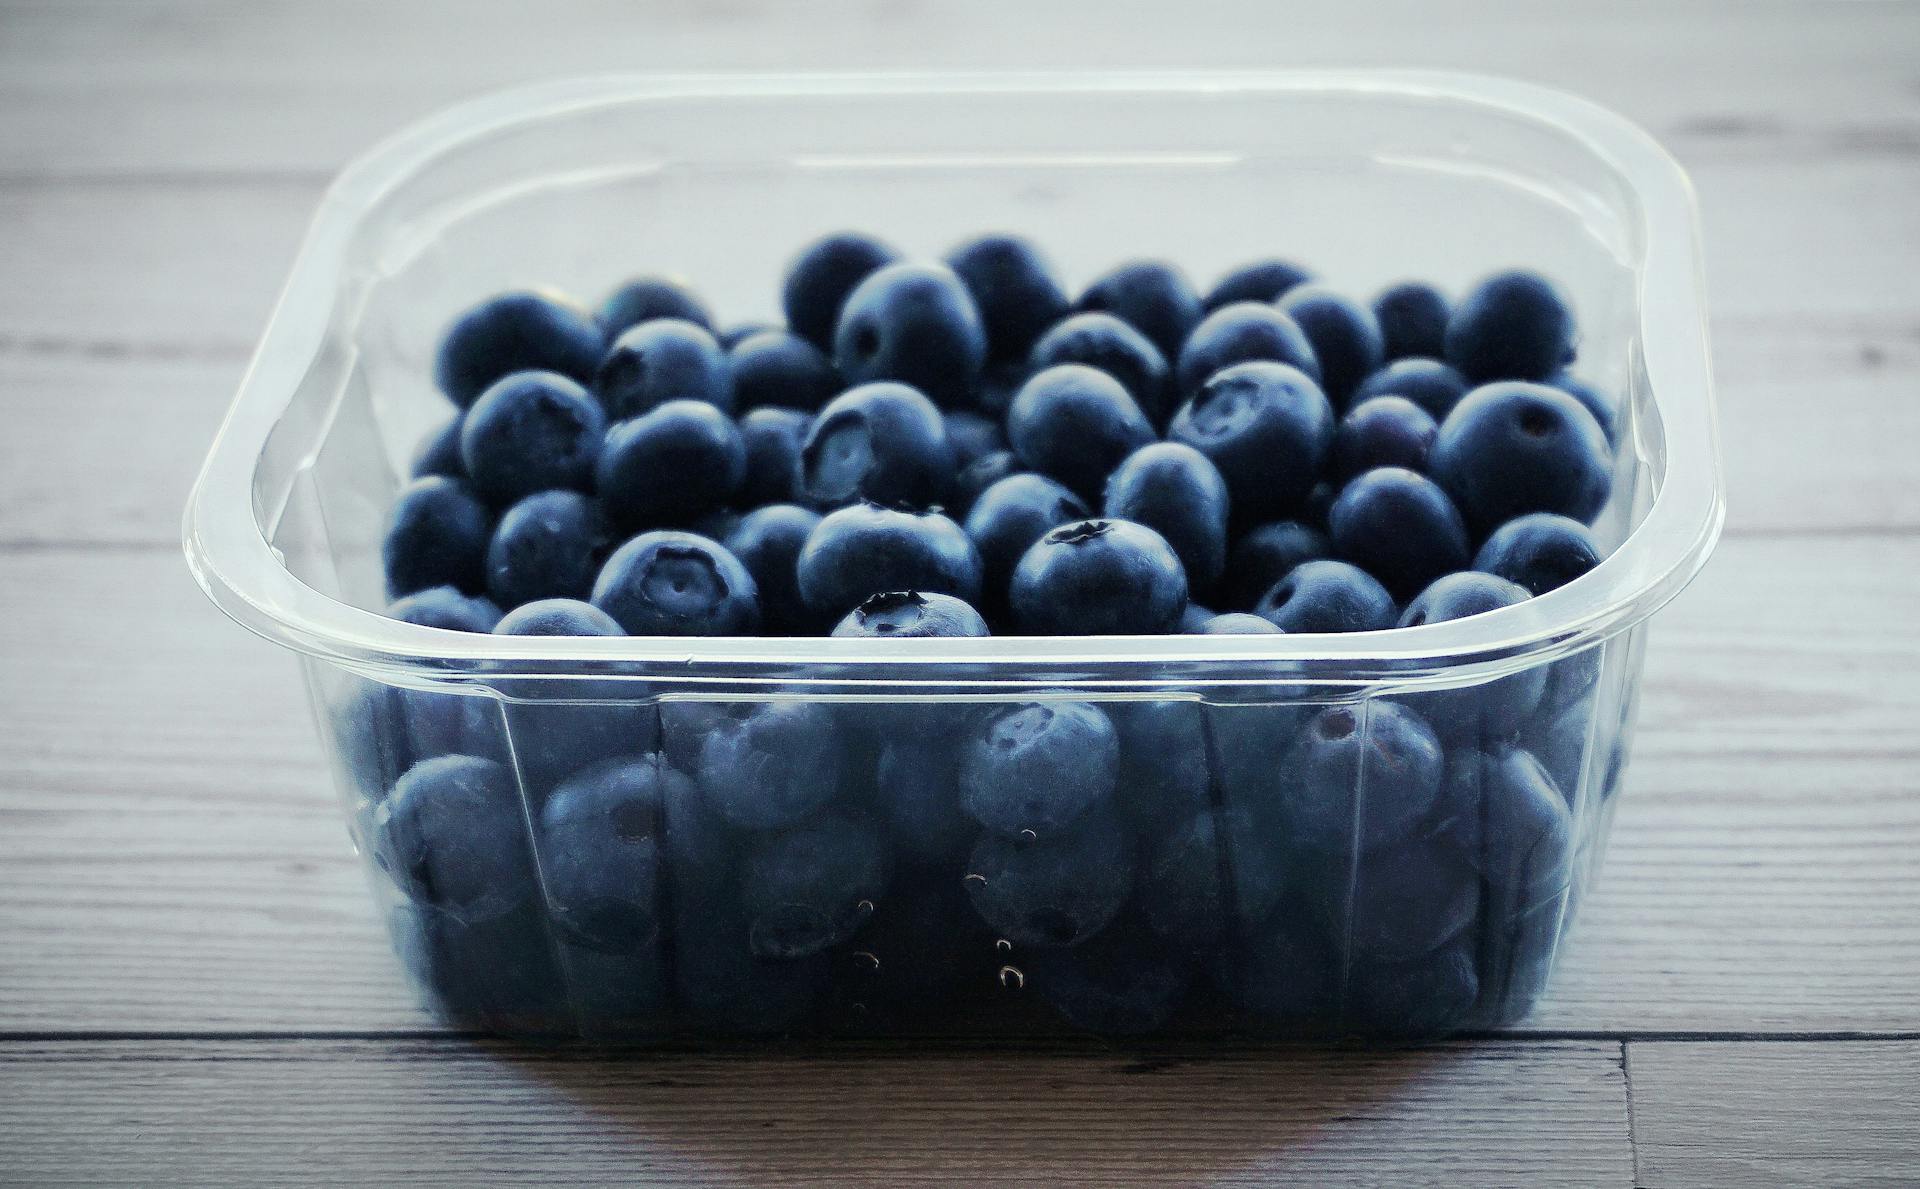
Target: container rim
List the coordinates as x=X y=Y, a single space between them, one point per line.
x=230 y=557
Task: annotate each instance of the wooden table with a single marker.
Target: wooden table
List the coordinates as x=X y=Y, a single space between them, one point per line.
x=193 y=986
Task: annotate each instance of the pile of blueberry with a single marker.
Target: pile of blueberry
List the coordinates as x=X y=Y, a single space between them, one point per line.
x=960 y=449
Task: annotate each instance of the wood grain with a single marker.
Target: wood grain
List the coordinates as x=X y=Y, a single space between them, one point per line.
x=447 y=1113
x=1776 y=1114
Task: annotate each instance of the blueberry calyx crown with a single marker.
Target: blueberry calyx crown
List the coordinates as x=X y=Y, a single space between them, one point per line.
x=1080 y=531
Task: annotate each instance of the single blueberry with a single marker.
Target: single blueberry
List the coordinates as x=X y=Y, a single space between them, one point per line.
x=1400 y=527
x=773 y=766
x=1076 y=423
x=550 y=545
x=671 y=466
x=436 y=536
x=1261 y=280
x=1238 y=333
x=1422 y=998
x=975 y=477
x=439 y=452
x=1033 y=768
x=866 y=549
x=451 y=837
x=1516 y=822
x=560 y=727
x=1213 y=879
x=515 y=332
x=909 y=615
x=1560 y=738
x=1164 y=771
x=723 y=987
x=1413 y=320
x=1604 y=408
x=1514 y=325
x=445 y=607
x=1008 y=518
x=1152 y=296
x=1360 y=777
x=883 y=442
x=1193 y=618
x=1513 y=448
x=1177 y=492
x=1118 y=984
x=998 y=383
x=915 y=323
x=1105 y=342
x=667 y=359
x=1540 y=551
x=1053 y=890
x=1264 y=554
x=494 y=975
x=1382 y=431
x=1327 y=596
x=775 y=367
x=1014 y=287
x=732 y=336
x=600 y=854
x=1289 y=981
x=1098 y=578
x=768 y=541
x=918 y=792
x=1428 y=383
x=773 y=438
x=530 y=432
x=820 y=278
x=1495 y=709
x=973 y=436
x=557 y=617
x=1397 y=903
x=677 y=584
x=1345 y=337
x=812 y=887
x=1268 y=427
x=1237 y=623
x=645 y=299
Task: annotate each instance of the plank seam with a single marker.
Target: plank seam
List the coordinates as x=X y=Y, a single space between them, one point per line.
x=1633 y=1130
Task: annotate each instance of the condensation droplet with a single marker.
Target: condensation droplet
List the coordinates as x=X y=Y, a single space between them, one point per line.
x=1029 y=836
x=975 y=878
x=1012 y=979
x=1003 y=945
x=867 y=959
x=864 y=908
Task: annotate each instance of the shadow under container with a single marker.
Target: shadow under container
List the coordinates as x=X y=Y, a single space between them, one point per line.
x=1381 y=836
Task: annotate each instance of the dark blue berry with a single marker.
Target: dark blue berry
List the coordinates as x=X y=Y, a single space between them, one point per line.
x=1105 y=342
x=1428 y=383
x=1014 y=287
x=1491 y=710
x=1424 y=997
x=1268 y=427
x=1237 y=623
x=768 y=541
x=439 y=452
x=1400 y=527
x=1345 y=337
x=1164 y=772
x=1008 y=518
x=866 y=549
x=820 y=278
x=915 y=323
x=918 y=792
x=1360 y=777
x=1513 y=326
x=734 y=335
x=1035 y=767
x=436 y=536
x=1540 y=551
x=672 y=465
x=723 y=987
x=1517 y=821
x=1098 y=578
x=530 y=432
x=773 y=766
x=677 y=584
x=1604 y=408
x=1262 y=280
x=1264 y=554
x=451 y=836
x=813 y=886
x=775 y=367
x=1382 y=431
x=1152 y=296
x=906 y=614
x=445 y=607
x=883 y=442
x=1327 y=596
x=1397 y=903
x=773 y=438
x=1118 y=984
x=1238 y=333
x=1053 y=890
x=1076 y=423
x=645 y=299
x=515 y=332
x=973 y=436
x=978 y=475
x=600 y=854
x=550 y=545
x=1413 y=320
x=1513 y=448
x=1177 y=492
x=1193 y=618
x=557 y=617
x=667 y=359
x=1213 y=879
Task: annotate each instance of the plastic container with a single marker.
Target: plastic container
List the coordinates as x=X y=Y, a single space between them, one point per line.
x=1230 y=881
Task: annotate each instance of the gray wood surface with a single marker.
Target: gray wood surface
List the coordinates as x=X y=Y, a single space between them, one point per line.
x=192 y=984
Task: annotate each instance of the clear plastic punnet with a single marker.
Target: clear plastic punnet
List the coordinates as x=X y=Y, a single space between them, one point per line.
x=1312 y=836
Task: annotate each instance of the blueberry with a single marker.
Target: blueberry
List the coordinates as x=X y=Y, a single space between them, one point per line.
x=1237 y=623
x=1152 y=296
x=1076 y=423
x=1032 y=768
x=1118 y=984
x=494 y=975
x=1055 y=890
x=866 y=549
x=973 y=437
x=909 y=615
x=550 y=545
x=1262 y=280
x=1559 y=738
x=1540 y=551
x=1427 y=996
x=1289 y=981
x=1413 y=320
x=445 y=607
x=883 y=442
x=1360 y=777
x=1238 y=333
x=1177 y=492
x=1098 y=578
x=813 y=886
x=530 y=432
x=1327 y=596
x=1264 y=554
x=820 y=278
x=723 y=987
x=768 y=541
x=1268 y=427
x=600 y=854
x=1105 y=342
x=919 y=795
x=773 y=766
x=677 y=584
x=1008 y=518
x=1513 y=326
x=732 y=336
x=1345 y=337
x=1213 y=879
x=1518 y=822
x=1513 y=448
x=451 y=836
x=1382 y=431
x=671 y=465
x=439 y=452
x=1014 y=287
x=773 y=438
x=1400 y=527
x=515 y=332
x=1456 y=596
x=1397 y=903
x=978 y=475
x=436 y=536
x=667 y=359
x=1604 y=409
x=998 y=383
x=1193 y=617
x=775 y=367
x=1163 y=763
x=557 y=617
x=645 y=299
x=915 y=323
x=1491 y=709
x=1428 y=383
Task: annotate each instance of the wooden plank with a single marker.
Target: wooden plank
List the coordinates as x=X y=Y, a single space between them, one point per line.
x=1776 y=1114
x=449 y=1113
x=224 y=85
x=171 y=857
